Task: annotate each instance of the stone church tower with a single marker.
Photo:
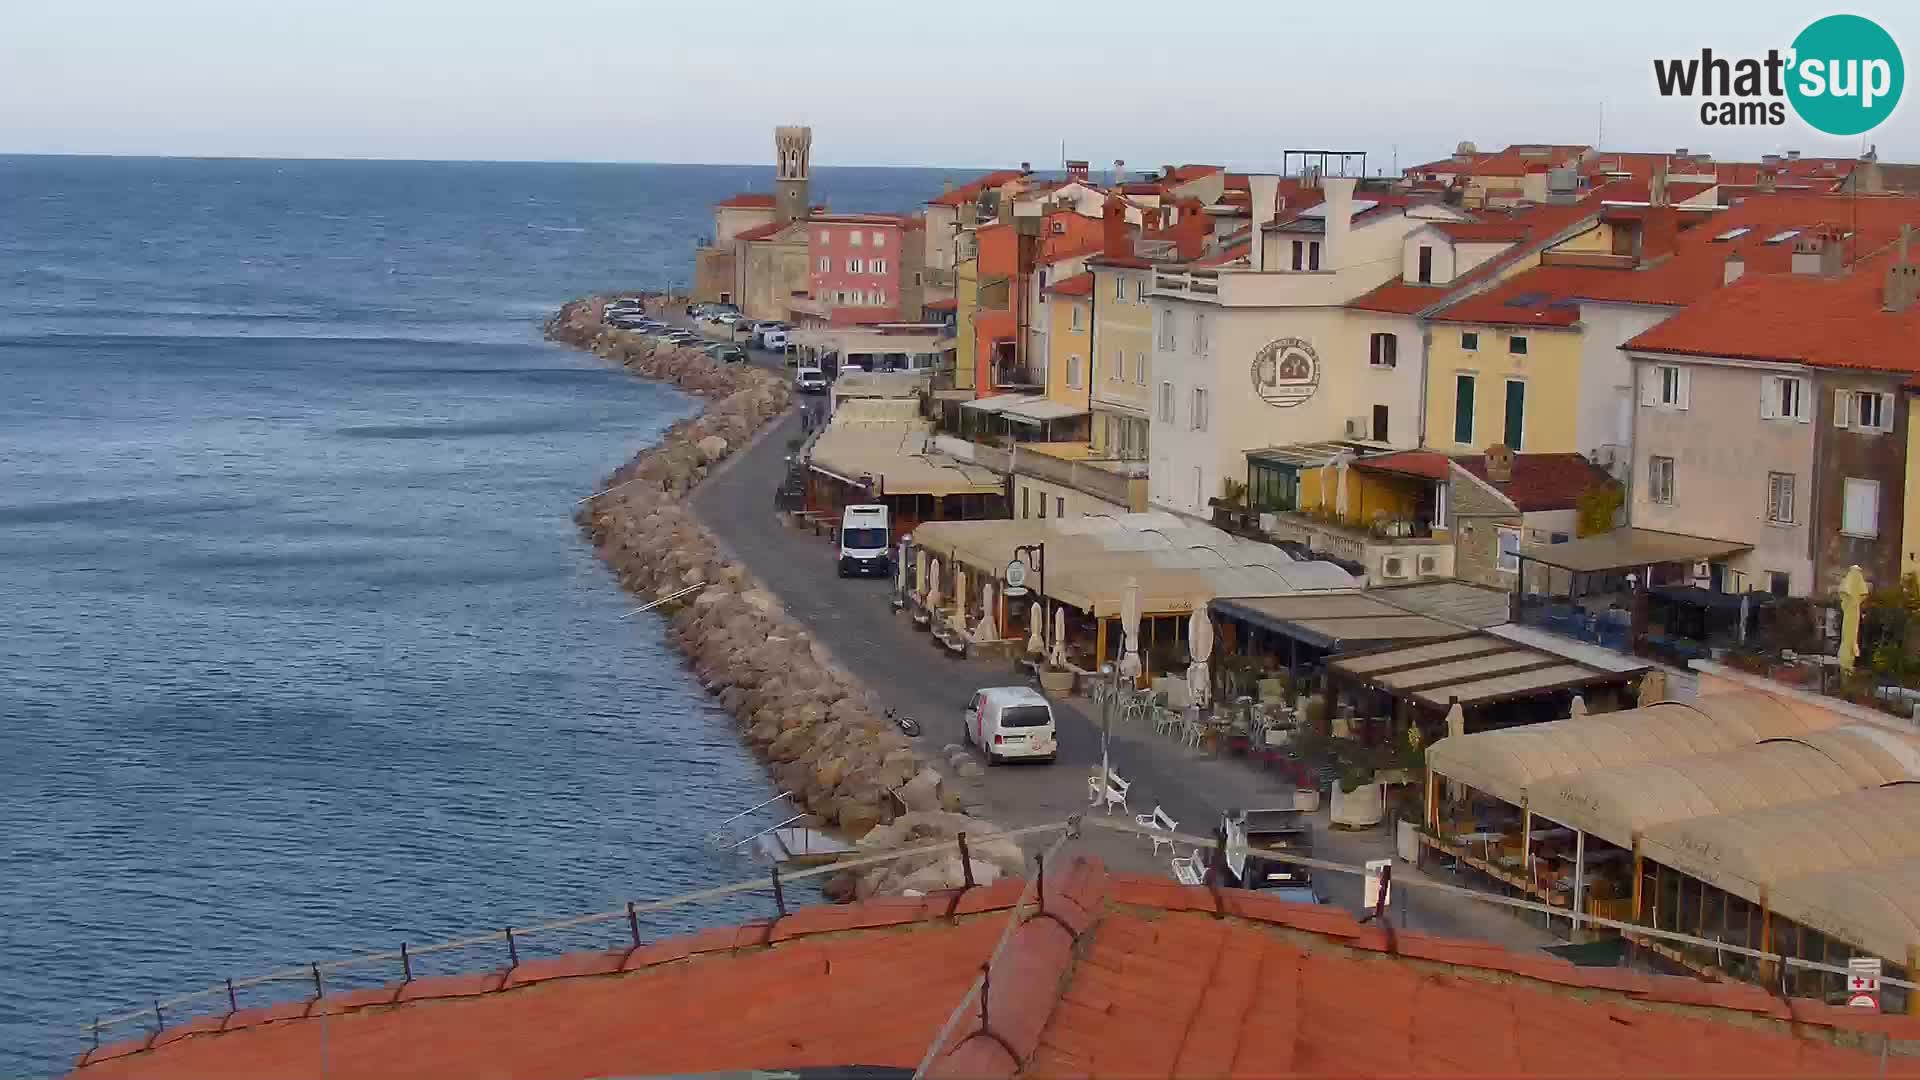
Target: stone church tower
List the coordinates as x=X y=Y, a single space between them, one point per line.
x=793 y=146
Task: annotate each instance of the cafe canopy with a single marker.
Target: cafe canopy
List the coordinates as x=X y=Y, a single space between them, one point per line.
x=1471 y=668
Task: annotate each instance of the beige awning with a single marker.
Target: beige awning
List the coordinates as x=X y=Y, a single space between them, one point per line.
x=1041 y=410
x=895 y=456
x=1473 y=668
x=1332 y=621
x=1510 y=763
x=1876 y=909
x=1629 y=549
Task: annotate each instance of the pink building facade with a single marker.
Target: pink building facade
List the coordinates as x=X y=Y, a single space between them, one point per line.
x=853 y=262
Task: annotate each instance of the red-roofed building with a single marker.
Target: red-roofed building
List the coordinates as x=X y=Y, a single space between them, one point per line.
x=1776 y=412
x=1112 y=975
x=855 y=266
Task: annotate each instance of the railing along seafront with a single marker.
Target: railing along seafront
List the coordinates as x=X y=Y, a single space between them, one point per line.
x=1069 y=828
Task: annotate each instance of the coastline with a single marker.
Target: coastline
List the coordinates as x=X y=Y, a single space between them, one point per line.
x=818 y=728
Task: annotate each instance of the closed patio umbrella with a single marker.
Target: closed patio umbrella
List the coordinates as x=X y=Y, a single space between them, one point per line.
x=933 y=585
x=1060 y=637
x=1340 y=491
x=959 y=595
x=920 y=578
x=1200 y=646
x=1036 y=636
x=1130 y=624
x=989 y=628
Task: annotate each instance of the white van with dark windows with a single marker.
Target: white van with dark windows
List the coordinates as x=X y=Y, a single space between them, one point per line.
x=866 y=541
x=1011 y=722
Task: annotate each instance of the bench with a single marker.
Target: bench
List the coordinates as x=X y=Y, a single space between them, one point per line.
x=1187 y=871
x=1114 y=794
x=1159 y=822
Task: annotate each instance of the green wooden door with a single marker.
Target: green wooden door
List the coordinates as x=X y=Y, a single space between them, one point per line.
x=1463 y=410
x=1516 y=412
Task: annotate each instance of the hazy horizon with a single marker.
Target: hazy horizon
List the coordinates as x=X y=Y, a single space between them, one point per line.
x=601 y=81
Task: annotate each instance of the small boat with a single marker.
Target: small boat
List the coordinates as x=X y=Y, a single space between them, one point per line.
x=791 y=845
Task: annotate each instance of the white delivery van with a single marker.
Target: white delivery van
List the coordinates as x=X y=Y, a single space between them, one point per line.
x=866 y=541
x=1008 y=722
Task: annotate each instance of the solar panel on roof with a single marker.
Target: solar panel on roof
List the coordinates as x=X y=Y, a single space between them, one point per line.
x=1526 y=299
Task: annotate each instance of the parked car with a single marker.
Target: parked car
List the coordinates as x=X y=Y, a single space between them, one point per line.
x=774 y=340
x=1008 y=722
x=1284 y=829
x=810 y=380
x=767 y=327
x=865 y=541
x=727 y=354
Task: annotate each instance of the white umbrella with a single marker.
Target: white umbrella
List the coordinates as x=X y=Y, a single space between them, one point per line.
x=959 y=597
x=989 y=628
x=1579 y=707
x=920 y=578
x=1329 y=478
x=933 y=584
x=1036 y=637
x=1130 y=624
x=900 y=570
x=1200 y=646
x=1340 y=493
x=1060 y=637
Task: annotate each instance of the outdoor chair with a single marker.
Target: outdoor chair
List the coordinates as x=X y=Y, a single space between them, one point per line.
x=1165 y=721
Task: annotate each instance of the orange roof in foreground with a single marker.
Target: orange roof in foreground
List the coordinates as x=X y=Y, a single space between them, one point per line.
x=1120 y=976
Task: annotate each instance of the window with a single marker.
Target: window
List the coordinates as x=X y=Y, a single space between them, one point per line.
x=878 y=240
x=1073 y=371
x=1469 y=340
x=1313 y=254
x=823 y=237
x=1166 y=402
x=1463 y=391
x=1119 y=288
x=1059 y=506
x=1140 y=368
x=1199 y=334
x=1043 y=504
x=1666 y=386
x=1299 y=255
x=1862 y=514
x=1862 y=410
x=854 y=266
x=1517 y=344
x=1778 y=583
x=1426 y=264
x=1384 y=350
x=1198 y=421
x=916 y=279
x=1380 y=423
x=1516 y=416
x=826 y=264
x=1075 y=322
x=879 y=296
x=1783 y=397
x=1660 y=480
x=1780 y=498
x=877 y=266
x=1168 y=330
x=1140 y=288
x=853 y=238
x=1025 y=510
x=1509 y=541
x=1119 y=371
x=1442 y=506
x=1196 y=501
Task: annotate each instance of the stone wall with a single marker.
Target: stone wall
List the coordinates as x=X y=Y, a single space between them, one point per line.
x=819 y=728
x=1478 y=512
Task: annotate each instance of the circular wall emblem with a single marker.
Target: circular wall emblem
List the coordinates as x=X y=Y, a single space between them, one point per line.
x=1286 y=372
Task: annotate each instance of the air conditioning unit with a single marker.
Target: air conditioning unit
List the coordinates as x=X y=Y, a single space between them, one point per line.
x=1429 y=565
x=1358 y=427
x=1393 y=567
x=1267 y=522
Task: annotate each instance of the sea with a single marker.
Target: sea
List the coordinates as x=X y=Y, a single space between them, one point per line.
x=301 y=654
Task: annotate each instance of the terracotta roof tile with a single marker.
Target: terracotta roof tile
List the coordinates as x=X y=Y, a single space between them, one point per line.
x=1080 y=284
x=749 y=199
x=1155 y=983
x=1543 y=481
x=1427 y=464
x=969 y=191
x=761 y=232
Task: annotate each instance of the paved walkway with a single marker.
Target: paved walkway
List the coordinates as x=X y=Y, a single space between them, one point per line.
x=852 y=617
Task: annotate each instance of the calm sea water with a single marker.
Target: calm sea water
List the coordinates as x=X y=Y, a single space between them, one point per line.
x=300 y=654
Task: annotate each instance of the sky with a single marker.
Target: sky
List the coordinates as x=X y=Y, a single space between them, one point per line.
x=900 y=83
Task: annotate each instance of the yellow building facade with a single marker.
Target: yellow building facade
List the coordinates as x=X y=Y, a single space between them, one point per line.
x=1514 y=385
x=1069 y=348
x=1121 y=345
x=966 y=308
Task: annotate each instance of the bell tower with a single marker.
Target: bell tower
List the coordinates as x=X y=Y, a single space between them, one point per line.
x=793 y=146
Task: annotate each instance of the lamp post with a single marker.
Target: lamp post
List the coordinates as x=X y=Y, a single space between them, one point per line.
x=1035 y=556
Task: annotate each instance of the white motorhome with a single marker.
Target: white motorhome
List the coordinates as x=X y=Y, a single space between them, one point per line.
x=866 y=541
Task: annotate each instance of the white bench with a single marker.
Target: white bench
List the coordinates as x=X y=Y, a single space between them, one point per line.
x=1159 y=822
x=1114 y=794
x=1187 y=871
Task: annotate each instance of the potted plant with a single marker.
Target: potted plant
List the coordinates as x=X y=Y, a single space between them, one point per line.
x=1055 y=679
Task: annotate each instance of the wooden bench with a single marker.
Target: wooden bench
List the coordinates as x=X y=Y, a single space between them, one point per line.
x=1159 y=822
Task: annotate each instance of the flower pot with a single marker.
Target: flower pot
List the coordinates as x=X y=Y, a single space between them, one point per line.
x=1407 y=843
x=1056 y=682
x=1306 y=798
x=1361 y=808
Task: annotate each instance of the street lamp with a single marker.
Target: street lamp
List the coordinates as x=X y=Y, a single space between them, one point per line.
x=1035 y=557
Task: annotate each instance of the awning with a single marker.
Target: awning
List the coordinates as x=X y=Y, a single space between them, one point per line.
x=1629 y=549
x=1472 y=669
x=1333 y=620
x=1302 y=455
x=1450 y=601
x=1041 y=410
x=995 y=404
x=895 y=455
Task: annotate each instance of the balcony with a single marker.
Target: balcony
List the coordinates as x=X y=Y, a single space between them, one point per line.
x=1201 y=285
x=1120 y=483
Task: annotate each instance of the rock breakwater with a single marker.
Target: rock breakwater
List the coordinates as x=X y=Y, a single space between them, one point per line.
x=818 y=726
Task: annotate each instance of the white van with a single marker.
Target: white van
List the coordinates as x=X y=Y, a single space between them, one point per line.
x=866 y=541
x=1008 y=722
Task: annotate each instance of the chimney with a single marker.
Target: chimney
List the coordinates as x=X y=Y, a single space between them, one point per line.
x=1263 y=197
x=1681 y=153
x=1868 y=179
x=1119 y=172
x=1768 y=178
x=1793 y=155
x=1339 y=217
x=1657 y=187
x=1770 y=160
x=1026 y=168
x=1734 y=267
x=1114 y=238
x=1903 y=277
x=1818 y=253
x=1166 y=172
x=1659 y=233
x=1499 y=464
x=1077 y=170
